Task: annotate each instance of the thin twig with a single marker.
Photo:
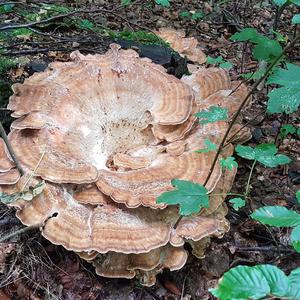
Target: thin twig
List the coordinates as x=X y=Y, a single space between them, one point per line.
x=17 y=232
x=10 y=149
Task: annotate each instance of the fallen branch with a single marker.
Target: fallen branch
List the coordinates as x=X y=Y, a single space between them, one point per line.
x=17 y=232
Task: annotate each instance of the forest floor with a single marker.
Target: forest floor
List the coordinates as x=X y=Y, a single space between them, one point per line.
x=33 y=268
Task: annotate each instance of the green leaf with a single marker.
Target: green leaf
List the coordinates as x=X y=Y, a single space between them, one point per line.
x=165 y=3
x=198 y=15
x=242 y=282
x=226 y=65
x=280 y=2
x=265 y=49
x=26 y=195
x=298 y=196
x=214 y=61
x=254 y=75
x=6 y=8
x=247 y=34
x=287 y=98
x=295 y=238
x=277 y=280
x=190 y=196
x=86 y=24
x=296 y=2
x=229 y=163
x=294 y=279
x=278 y=216
x=184 y=14
x=210 y=146
x=287 y=129
x=296 y=19
x=213 y=114
x=263 y=153
x=237 y=203
x=126 y=2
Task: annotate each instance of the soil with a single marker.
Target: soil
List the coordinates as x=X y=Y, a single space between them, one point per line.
x=33 y=268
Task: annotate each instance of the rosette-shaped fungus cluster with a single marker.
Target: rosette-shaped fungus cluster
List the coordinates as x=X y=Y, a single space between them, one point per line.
x=107 y=133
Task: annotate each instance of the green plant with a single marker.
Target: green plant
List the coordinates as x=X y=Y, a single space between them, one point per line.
x=192 y=15
x=219 y=61
x=213 y=114
x=258 y=282
x=6 y=64
x=280 y=216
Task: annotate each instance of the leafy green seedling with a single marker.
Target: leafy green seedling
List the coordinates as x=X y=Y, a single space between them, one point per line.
x=210 y=146
x=213 y=114
x=237 y=203
x=165 y=3
x=219 y=61
x=228 y=163
x=265 y=48
x=193 y=15
x=263 y=153
x=86 y=24
x=254 y=75
x=190 y=196
x=287 y=129
x=286 y=98
x=280 y=216
x=257 y=282
x=6 y=8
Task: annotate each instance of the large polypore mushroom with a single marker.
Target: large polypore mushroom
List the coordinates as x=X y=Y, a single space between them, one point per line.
x=108 y=133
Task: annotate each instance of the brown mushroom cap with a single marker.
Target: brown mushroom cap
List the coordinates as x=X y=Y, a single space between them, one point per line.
x=10 y=177
x=6 y=162
x=92 y=108
x=181 y=44
x=146 y=265
x=102 y=228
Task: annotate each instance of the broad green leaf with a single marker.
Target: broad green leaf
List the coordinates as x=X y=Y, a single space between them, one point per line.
x=229 y=163
x=242 y=282
x=265 y=49
x=278 y=216
x=296 y=19
x=26 y=195
x=190 y=196
x=226 y=65
x=296 y=2
x=263 y=153
x=165 y=3
x=237 y=203
x=286 y=98
x=247 y=34
x=210 y=146
x=294 y=279
x=298 y=196
x=213 y=61
x=213 y=114
x=280 y=2
x=295 y=238
x=277 y=280
x=287 y=129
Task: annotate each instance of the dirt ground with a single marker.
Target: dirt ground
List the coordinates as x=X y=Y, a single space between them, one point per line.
x=33 y=268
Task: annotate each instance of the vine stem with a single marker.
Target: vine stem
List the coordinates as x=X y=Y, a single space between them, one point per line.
x=10 y=149
x=249 y=179
x=244 y=102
